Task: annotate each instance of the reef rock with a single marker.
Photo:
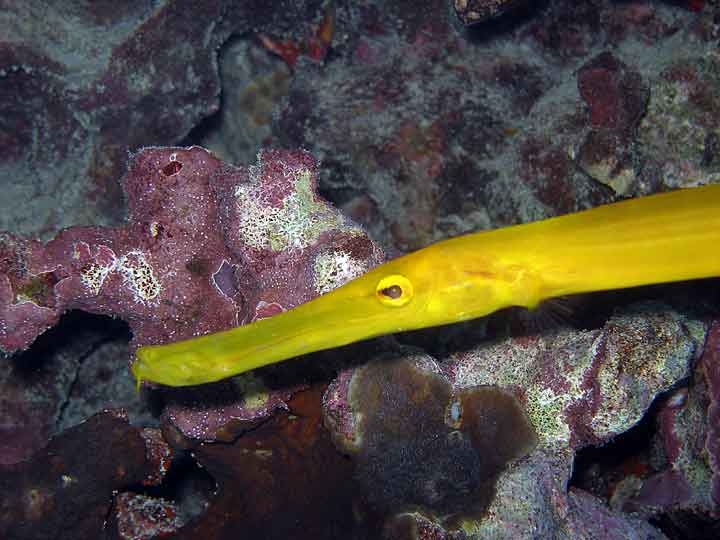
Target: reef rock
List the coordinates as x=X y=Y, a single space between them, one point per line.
x=486 y=438
x=206 y=247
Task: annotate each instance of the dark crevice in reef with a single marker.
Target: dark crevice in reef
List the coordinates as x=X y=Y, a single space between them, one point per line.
x=186 y=484
x=597 y=469
x=600 y=469
x=77 y=332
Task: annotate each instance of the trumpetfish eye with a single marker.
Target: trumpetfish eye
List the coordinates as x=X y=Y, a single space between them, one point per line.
x=394 y=290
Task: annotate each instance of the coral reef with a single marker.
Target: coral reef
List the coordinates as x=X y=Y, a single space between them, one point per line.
x=426 y=126
x=678 y=136
x=711 y=369
x=253 y=80
x=281 y=480
x=499 y=133
x=85 y=82
x=206 y=247
x=687 y=480
x=419 y=445
x=616 y=98
x=71 y=372
x=578 y=388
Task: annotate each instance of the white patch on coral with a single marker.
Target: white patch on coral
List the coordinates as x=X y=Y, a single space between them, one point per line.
x=139 y=276
x=94 y=276
x=137 y=273
x=295 y=225
x=333 y=269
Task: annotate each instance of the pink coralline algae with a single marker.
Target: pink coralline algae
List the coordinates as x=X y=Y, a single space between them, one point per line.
x=687 y=481
x=577 y=388
x=206 y=247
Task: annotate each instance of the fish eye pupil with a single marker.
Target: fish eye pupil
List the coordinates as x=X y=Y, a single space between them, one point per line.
x=394 y=291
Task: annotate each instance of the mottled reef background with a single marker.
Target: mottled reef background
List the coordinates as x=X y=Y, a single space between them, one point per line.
x=171 y=168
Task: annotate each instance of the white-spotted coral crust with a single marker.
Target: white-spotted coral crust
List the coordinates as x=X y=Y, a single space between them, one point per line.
x=585 y=387
x=93 y=274
x=137 y=273
x=293 y=222
x=687 y=452
x=93 y=277
x=332 y=269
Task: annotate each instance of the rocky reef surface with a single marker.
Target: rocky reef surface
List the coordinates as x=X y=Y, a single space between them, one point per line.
x=148 y=198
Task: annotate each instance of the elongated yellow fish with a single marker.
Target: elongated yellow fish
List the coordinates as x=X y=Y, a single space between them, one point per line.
x=661 y=238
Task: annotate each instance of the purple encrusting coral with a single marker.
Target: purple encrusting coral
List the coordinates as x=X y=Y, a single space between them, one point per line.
x=207 y=247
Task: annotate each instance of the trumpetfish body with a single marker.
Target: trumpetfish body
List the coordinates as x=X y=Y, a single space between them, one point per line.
x=661 y=238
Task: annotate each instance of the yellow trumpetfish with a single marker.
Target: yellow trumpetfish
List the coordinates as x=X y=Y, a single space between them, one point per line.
x=661 y=238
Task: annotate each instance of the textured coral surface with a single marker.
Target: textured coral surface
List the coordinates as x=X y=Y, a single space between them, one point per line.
x=206 y=247
x=82 y=83
x=418 y=120
x=577 y=388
